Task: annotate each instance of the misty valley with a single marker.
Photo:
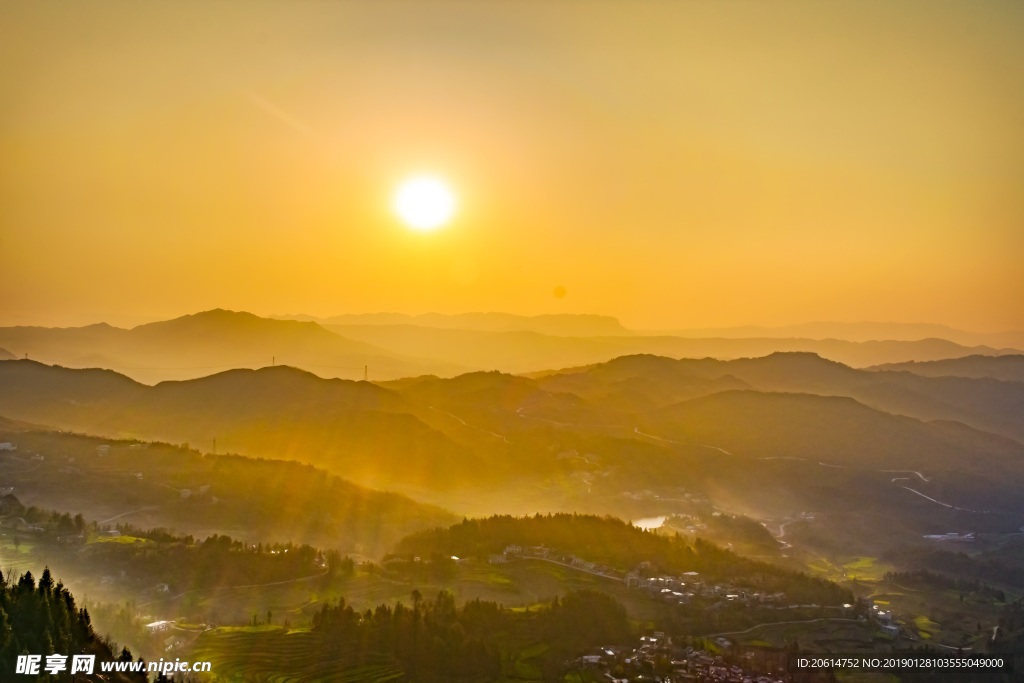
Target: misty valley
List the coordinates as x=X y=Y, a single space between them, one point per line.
x=623 y=516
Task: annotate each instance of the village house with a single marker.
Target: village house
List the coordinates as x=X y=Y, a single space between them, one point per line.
x=158 y=626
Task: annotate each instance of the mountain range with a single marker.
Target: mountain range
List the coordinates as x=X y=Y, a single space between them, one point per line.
x=1009 y=368
x=863 y=331
x=357 y=429
x=354 y=347
x=530 y=351
x=200 y=344
x=768 y=437
x=559 y=325
x=982 y=402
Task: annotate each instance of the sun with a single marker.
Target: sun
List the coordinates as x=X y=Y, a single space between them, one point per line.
x=424 y=203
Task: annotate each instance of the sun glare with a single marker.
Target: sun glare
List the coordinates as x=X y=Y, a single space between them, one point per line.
x=424 y=203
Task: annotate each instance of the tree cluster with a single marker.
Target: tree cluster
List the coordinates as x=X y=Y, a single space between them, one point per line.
x=923 y=577
x=43 y=619
x=435 y=641
x=1002 y=566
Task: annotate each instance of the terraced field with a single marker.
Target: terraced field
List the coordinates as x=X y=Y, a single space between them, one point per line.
x=273 y=655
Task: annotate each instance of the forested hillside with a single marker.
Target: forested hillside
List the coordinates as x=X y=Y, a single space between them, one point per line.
x=42 y=619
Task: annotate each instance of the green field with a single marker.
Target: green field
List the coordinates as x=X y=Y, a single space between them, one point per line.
x=128 y=540
x=926 y=628
x=937 y=616
x=840 y=569
x=272 y=655
x=823 y=636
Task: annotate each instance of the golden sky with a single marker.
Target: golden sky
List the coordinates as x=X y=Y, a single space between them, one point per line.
x=675 y=164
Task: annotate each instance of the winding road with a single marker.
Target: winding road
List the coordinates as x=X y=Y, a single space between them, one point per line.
x=466 y=424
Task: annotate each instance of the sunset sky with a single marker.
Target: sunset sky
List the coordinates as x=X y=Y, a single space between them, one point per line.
x=675 y=164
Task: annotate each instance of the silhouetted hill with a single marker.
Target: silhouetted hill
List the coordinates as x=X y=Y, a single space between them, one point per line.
x=1009 y=368
x=6 y=355
x=484 y=408
x=54 y=395
x=833 y=453
x=366 y=432
x=239 y=331
x=856 y=354
x=984 y=403
x=9 y=425
x=494 y=391
x=779 y=371
x=52 y=343
x=293 y=390
x=643 y=382
x=196 y=345
x=837 y=430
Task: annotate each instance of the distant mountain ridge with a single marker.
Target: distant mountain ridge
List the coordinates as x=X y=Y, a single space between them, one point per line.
x=199 y=344
x=203 y=343
x=983 y=403
x=863 y=332
x=1009 y=367
x=558 y=325
x=526 y=351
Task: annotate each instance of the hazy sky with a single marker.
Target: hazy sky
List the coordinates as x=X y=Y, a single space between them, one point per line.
x=673 y=163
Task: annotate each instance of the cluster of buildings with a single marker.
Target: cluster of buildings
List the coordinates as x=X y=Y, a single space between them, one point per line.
x=680 y=590
x=166 y=634
x=543 y=553
x=657 y=659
